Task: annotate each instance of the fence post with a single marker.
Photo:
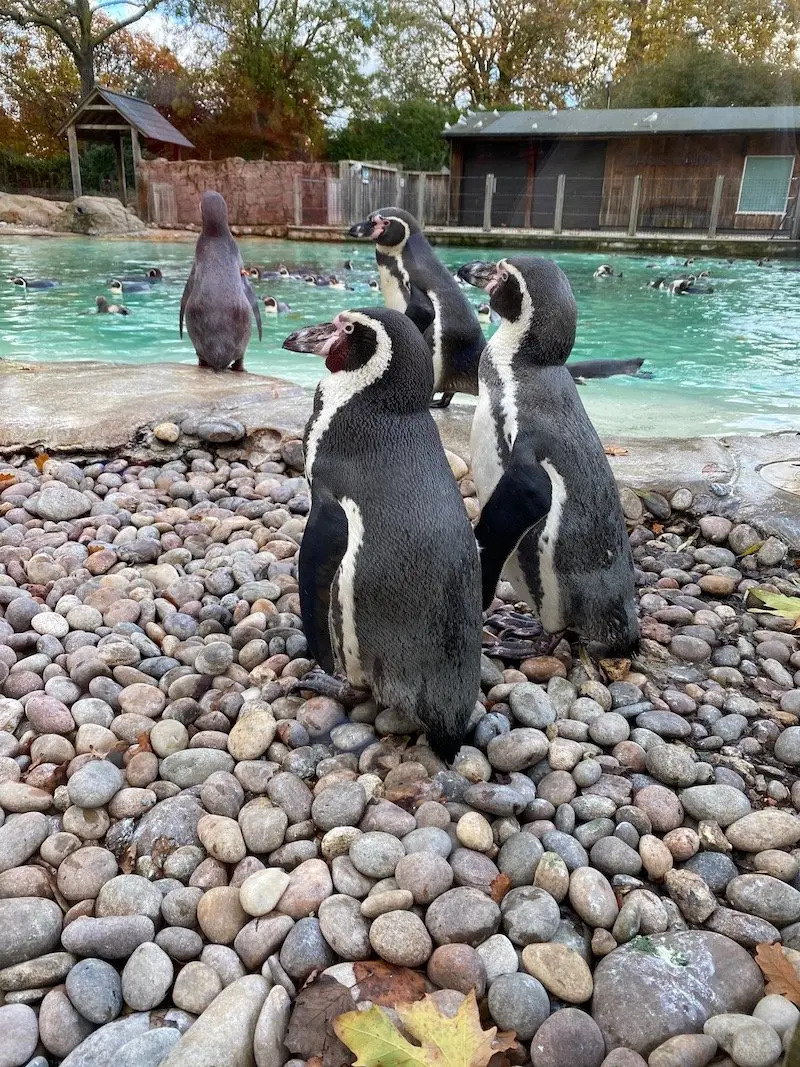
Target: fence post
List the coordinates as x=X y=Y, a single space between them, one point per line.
x=794 y=233
x=421 y=182
x=635 y=200
x=398 y=188
x=74 y=161
x=716 y=203
x=298 y=200
x=559 y=215
x=487 y=202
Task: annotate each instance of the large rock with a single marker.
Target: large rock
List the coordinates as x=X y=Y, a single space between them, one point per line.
x=29 y=210
x=96 y=216
x=224 y=1032
x=29 y=927
x=673 y=983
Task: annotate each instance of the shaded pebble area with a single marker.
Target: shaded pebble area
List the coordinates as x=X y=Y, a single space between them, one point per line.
x=194 y=821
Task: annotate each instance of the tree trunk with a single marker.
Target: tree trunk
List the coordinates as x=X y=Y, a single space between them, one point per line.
x=85 y=64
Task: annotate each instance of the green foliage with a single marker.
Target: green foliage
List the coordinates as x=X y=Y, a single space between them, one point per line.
x=407 y=133
x=20 y=173
x=692 y=76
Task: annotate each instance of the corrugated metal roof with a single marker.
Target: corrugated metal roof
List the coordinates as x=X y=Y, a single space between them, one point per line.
x=616 y=122
x=143 y=117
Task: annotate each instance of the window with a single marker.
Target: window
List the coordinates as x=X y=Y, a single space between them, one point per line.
x=765 y=185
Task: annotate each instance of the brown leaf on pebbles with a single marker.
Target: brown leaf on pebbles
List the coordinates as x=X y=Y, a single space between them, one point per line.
x=782 y=975
x=40 y=460
x=311 y=1030
x=386 y=984
x=499 y=886
x=615 y=669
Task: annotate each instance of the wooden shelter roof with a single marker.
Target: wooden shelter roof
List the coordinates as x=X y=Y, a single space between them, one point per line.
x=98 y=116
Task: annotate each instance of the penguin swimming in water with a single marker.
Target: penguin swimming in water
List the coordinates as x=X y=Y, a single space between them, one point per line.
x=415 y=281
x=486 y=315
x=551 y=518
x=605 y=270
x=387 y=522
x=275 y=307
x=217 y=301
x=117 y=287
x=104 y=308
x=152 y=276
x=373 y=283
x=37 y=283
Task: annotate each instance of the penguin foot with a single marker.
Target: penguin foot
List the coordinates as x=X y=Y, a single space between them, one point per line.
x=326 y=685
x=238 y=365
x=511 y=635
x=443 y=401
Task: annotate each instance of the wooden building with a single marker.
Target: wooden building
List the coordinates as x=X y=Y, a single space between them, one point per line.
x=736 y=168
x=107 y=116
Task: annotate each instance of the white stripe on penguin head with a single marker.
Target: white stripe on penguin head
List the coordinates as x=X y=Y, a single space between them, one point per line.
x=340 y=388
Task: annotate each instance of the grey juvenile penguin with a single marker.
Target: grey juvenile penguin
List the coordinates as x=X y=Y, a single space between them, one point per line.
x=388 y=569
x=551 y=520
x=415 y=281
x=217 y=302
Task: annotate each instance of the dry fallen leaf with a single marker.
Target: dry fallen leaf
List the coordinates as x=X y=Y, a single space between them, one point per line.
x=781 y=974
x=311 y=1030
x=6 y=480
x=40 y=460
x=615 y=450
x=499 y=886
x=762 y=602
x=383 y=983
x=459 y=1041
x=128 y=862
x=615 y=669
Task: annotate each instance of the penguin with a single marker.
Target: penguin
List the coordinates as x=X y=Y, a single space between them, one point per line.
x=336 y=283
x=605 y=270
x=152 y=276
x=312 y=279
x=373 y=283
x=104 y=308
x=217 y=301
x=688 y=262
x=38 y=283
x=388 y=566
x=415 y=281
x=551 y=518
x=486 y=315
x=348 y=265
x=117 y=287
x=275 y=307
x=658 y=283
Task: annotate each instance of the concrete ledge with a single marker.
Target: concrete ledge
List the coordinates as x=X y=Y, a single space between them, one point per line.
x=90 y=407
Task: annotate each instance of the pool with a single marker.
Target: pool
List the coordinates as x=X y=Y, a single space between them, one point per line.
x=722 y=363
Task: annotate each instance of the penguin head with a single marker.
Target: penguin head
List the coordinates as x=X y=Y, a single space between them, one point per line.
x=373 y=283
x=373 y=348
x=390 y=227
x=154 y=274
x=283 y=270
x=254 y=272
x=270 y=305
x=116 y=286
x=534 y=295
x=214 y=213
x=102 y=303
x=20 y=283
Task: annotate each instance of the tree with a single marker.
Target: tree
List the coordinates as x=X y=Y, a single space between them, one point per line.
x=82 y=26
x=691 y=76
x=407 y=133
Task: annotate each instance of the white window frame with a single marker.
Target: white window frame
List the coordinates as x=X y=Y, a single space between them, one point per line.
x=788 y=186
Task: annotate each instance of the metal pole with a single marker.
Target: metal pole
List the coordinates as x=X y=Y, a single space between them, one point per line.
x=487 y=202
x=298 y=200
x=421 y=181
x=74 y=161
x=559 y=215
x=716 y=203
x=636 y=197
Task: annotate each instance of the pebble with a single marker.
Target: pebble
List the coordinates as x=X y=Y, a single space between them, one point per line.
x=686 y=1050
x=146 y=977
x=261 y=891
x=529 y=915
x=592 y=897
x=560 y=970
x=95 y=989
x=751 y=1042
x=225 y=1031
x=722 y=803
x=518 y=1002
x=462 y=915
x=20 y=1030
x=568 y=1037
x=400 y=937
x=769 y=898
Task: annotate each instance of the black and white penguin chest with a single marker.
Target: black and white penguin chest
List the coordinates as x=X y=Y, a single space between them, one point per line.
x=394 y=278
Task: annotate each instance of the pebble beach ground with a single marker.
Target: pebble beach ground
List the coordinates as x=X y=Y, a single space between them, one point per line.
x=187 y=834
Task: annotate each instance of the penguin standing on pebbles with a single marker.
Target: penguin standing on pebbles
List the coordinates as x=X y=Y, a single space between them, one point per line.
x=388 y=567
x=415 y=281
x=217 y=302
x=551 y=519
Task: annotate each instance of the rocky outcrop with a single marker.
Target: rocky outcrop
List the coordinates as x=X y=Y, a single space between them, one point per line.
x=97 y=216
x=30 y=210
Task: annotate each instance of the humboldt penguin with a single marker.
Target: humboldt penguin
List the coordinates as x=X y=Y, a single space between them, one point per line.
x=217 y=302
x=275 y=307
x=415 y=281
x=38 y=283
x=605 y=270
x=118 y=287
x=388 y=566
x=551 y=518
x=104 y=308
x=151 y=276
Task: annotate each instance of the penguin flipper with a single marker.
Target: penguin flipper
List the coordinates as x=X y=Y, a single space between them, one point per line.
x=251 y=296
x=420 y=309
x=520 y=499
x=187 y=292
x=321 y=550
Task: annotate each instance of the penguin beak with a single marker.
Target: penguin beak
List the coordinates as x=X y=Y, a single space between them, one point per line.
x=315 y=339
x=478 y=273
x=372 y=227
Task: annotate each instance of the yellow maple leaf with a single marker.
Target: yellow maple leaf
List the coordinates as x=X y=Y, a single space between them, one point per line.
x=444 y=1042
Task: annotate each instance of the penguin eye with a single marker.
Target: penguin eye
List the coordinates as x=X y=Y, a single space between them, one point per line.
x=349 y=327
x=504 y=276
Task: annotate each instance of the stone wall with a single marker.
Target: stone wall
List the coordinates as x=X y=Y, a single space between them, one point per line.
x=258 y=194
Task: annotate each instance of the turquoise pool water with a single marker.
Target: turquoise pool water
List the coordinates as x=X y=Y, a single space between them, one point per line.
x=722 y=363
